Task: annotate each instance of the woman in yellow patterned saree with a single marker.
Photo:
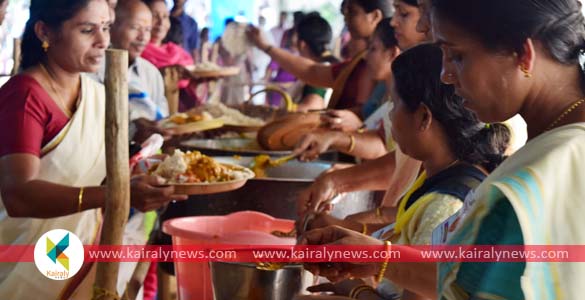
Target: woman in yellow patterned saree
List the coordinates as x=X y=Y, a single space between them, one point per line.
x=430 y=124
x=52 y=155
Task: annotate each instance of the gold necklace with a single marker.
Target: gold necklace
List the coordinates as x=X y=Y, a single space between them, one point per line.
x=565 y=113
x=59 y=101
x=456 y=161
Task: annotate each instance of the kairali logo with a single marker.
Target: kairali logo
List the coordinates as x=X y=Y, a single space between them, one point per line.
x=59 y=254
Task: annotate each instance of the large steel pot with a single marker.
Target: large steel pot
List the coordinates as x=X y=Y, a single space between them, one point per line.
x=243 y=281
x=276 y=195
x=229 y=146
x=239 y=146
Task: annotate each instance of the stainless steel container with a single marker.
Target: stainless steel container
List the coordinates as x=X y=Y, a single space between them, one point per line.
x=241 y=147
x=242 y=281
x=229 y=146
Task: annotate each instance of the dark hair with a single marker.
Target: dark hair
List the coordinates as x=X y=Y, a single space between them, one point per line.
x=410 y=2
x=287 y=36
x=504 y=25
x=53 y=13
x=149 y=2
x=417 y=81
x=317 y=34
x=385 y=32
x=369 y=6
x=204 y=33
x=297 y=17
x=175 y=34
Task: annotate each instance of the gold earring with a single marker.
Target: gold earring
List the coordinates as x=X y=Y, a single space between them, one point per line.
x=527 y=73
x=45 y=46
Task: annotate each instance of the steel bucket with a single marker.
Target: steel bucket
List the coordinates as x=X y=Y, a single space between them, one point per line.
x=243 y=281
x=242 y=147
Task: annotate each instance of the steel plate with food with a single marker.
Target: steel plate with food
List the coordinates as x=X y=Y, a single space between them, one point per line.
x=233 y=119
x=193 y=173
x=190 y=122
x=211 y=70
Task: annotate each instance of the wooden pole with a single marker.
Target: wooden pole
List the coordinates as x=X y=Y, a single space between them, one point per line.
x=137 y=279
x=166 y=284
x=16 y=56
x=140 y=272
x=171 y=76
x=118 y=180
x=173 y=101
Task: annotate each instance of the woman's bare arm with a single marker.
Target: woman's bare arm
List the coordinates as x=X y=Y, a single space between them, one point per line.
x=25 y=196
x=307 y=70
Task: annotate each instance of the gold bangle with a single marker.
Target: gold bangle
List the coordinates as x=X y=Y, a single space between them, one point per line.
x=80 y=199
x=364 y=228
x=378 y=212
x=354 y=293
x=351 y=143
x=380 y=275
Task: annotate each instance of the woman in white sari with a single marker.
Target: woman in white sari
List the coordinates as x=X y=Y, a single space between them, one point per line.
x=52 y=160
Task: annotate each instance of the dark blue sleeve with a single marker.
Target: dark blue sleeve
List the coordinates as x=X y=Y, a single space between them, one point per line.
x=194 y=35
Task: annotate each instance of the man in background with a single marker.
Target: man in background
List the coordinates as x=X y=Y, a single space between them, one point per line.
x=278 y=31
x=190 y=29
x=3 y=8
x=258 y=59
x=146 y=89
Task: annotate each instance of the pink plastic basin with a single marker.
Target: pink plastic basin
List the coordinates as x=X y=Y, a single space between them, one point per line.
x=246 y=227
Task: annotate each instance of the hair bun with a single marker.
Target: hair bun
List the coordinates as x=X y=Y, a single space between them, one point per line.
x=571 y=19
